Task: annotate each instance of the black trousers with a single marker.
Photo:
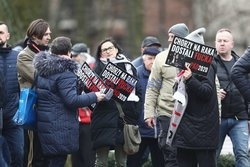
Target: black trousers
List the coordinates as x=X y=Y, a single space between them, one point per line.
x=193 y=158
x=156 y=154
x=85 y=156
x=169 y=153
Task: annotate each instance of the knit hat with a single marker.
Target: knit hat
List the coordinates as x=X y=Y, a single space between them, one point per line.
x=79 y=48
x=149 y=41
x=151 y=51
x=197 y=35
x=180 y=30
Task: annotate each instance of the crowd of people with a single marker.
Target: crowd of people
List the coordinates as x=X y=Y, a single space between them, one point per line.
x=217 y=104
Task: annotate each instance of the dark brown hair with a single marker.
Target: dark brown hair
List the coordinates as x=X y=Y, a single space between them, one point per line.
x=61 y=46
x=37 y=28
x=99 y=48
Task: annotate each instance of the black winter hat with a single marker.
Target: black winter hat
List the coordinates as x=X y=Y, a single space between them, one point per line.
x=149 y=41
x=151 y=51
x=79 y=48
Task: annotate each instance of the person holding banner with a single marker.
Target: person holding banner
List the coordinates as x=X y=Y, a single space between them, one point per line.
x=159 y=95
x=58 y=101
x=106 y=125
x=234 y=116
x=197 y=135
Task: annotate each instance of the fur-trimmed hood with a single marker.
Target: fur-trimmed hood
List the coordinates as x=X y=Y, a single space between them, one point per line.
x=47 y=64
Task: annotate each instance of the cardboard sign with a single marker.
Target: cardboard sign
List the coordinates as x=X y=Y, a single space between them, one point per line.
x=91 y=81
x=119 y=80
x=197 y=57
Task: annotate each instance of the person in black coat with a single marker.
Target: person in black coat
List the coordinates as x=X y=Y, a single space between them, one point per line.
x=57 y=124
x=106 y=125
x=149 y=136
x=198 y=132
x=240 y=76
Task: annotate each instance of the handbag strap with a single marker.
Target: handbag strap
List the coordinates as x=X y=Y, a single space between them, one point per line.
x=121 y=113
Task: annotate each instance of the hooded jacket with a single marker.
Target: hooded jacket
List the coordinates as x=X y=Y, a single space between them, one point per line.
x=57 y=123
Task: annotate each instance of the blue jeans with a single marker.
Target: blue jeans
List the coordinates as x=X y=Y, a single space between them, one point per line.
x=13 y=134
x=237 y=130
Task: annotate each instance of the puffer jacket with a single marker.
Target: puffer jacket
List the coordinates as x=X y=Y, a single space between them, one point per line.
x=8 y=60
x=57 y=124
x=199 y=127
x=240 y=74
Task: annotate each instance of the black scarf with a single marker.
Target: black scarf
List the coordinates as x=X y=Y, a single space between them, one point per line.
x=35 y=47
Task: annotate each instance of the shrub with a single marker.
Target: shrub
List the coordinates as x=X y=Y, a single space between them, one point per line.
x=227 y=160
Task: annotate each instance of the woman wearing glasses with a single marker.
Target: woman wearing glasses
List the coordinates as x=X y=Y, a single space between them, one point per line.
x=106 y=125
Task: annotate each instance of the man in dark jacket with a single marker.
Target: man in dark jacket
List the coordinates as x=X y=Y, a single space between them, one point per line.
x=148 y=42
x=149 y=135
x=11 y=132
x=234 y=114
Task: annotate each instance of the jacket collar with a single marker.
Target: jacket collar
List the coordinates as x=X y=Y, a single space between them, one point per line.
x=48 y=64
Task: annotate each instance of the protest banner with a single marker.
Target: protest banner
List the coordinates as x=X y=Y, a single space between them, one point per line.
x=91 y=81
x=119 y=80
x=196 y=56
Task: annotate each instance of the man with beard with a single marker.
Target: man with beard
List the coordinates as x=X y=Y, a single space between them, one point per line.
x=12 y=133
x=38 y=37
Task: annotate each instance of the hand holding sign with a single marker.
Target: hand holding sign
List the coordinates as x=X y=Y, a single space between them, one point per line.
x=188 y=73
x=100 y=96
x=196 y=56
x=119 y=80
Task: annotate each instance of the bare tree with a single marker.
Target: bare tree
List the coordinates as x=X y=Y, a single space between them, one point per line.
x=216 y=14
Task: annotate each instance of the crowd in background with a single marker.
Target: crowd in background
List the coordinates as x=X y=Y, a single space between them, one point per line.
x=216 y=105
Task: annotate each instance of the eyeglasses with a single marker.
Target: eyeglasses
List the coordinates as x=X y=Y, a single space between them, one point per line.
x=107 y=49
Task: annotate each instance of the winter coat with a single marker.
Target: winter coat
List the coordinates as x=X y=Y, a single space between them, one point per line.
x=2 y=90
x=138 y=61
x=106 y=125
x=145 y=131
x=25 y=64
x=240 y=75
x=57 y=124
x=199 y=127
x=8 y=59
x=233 y=105
x=160 y=88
